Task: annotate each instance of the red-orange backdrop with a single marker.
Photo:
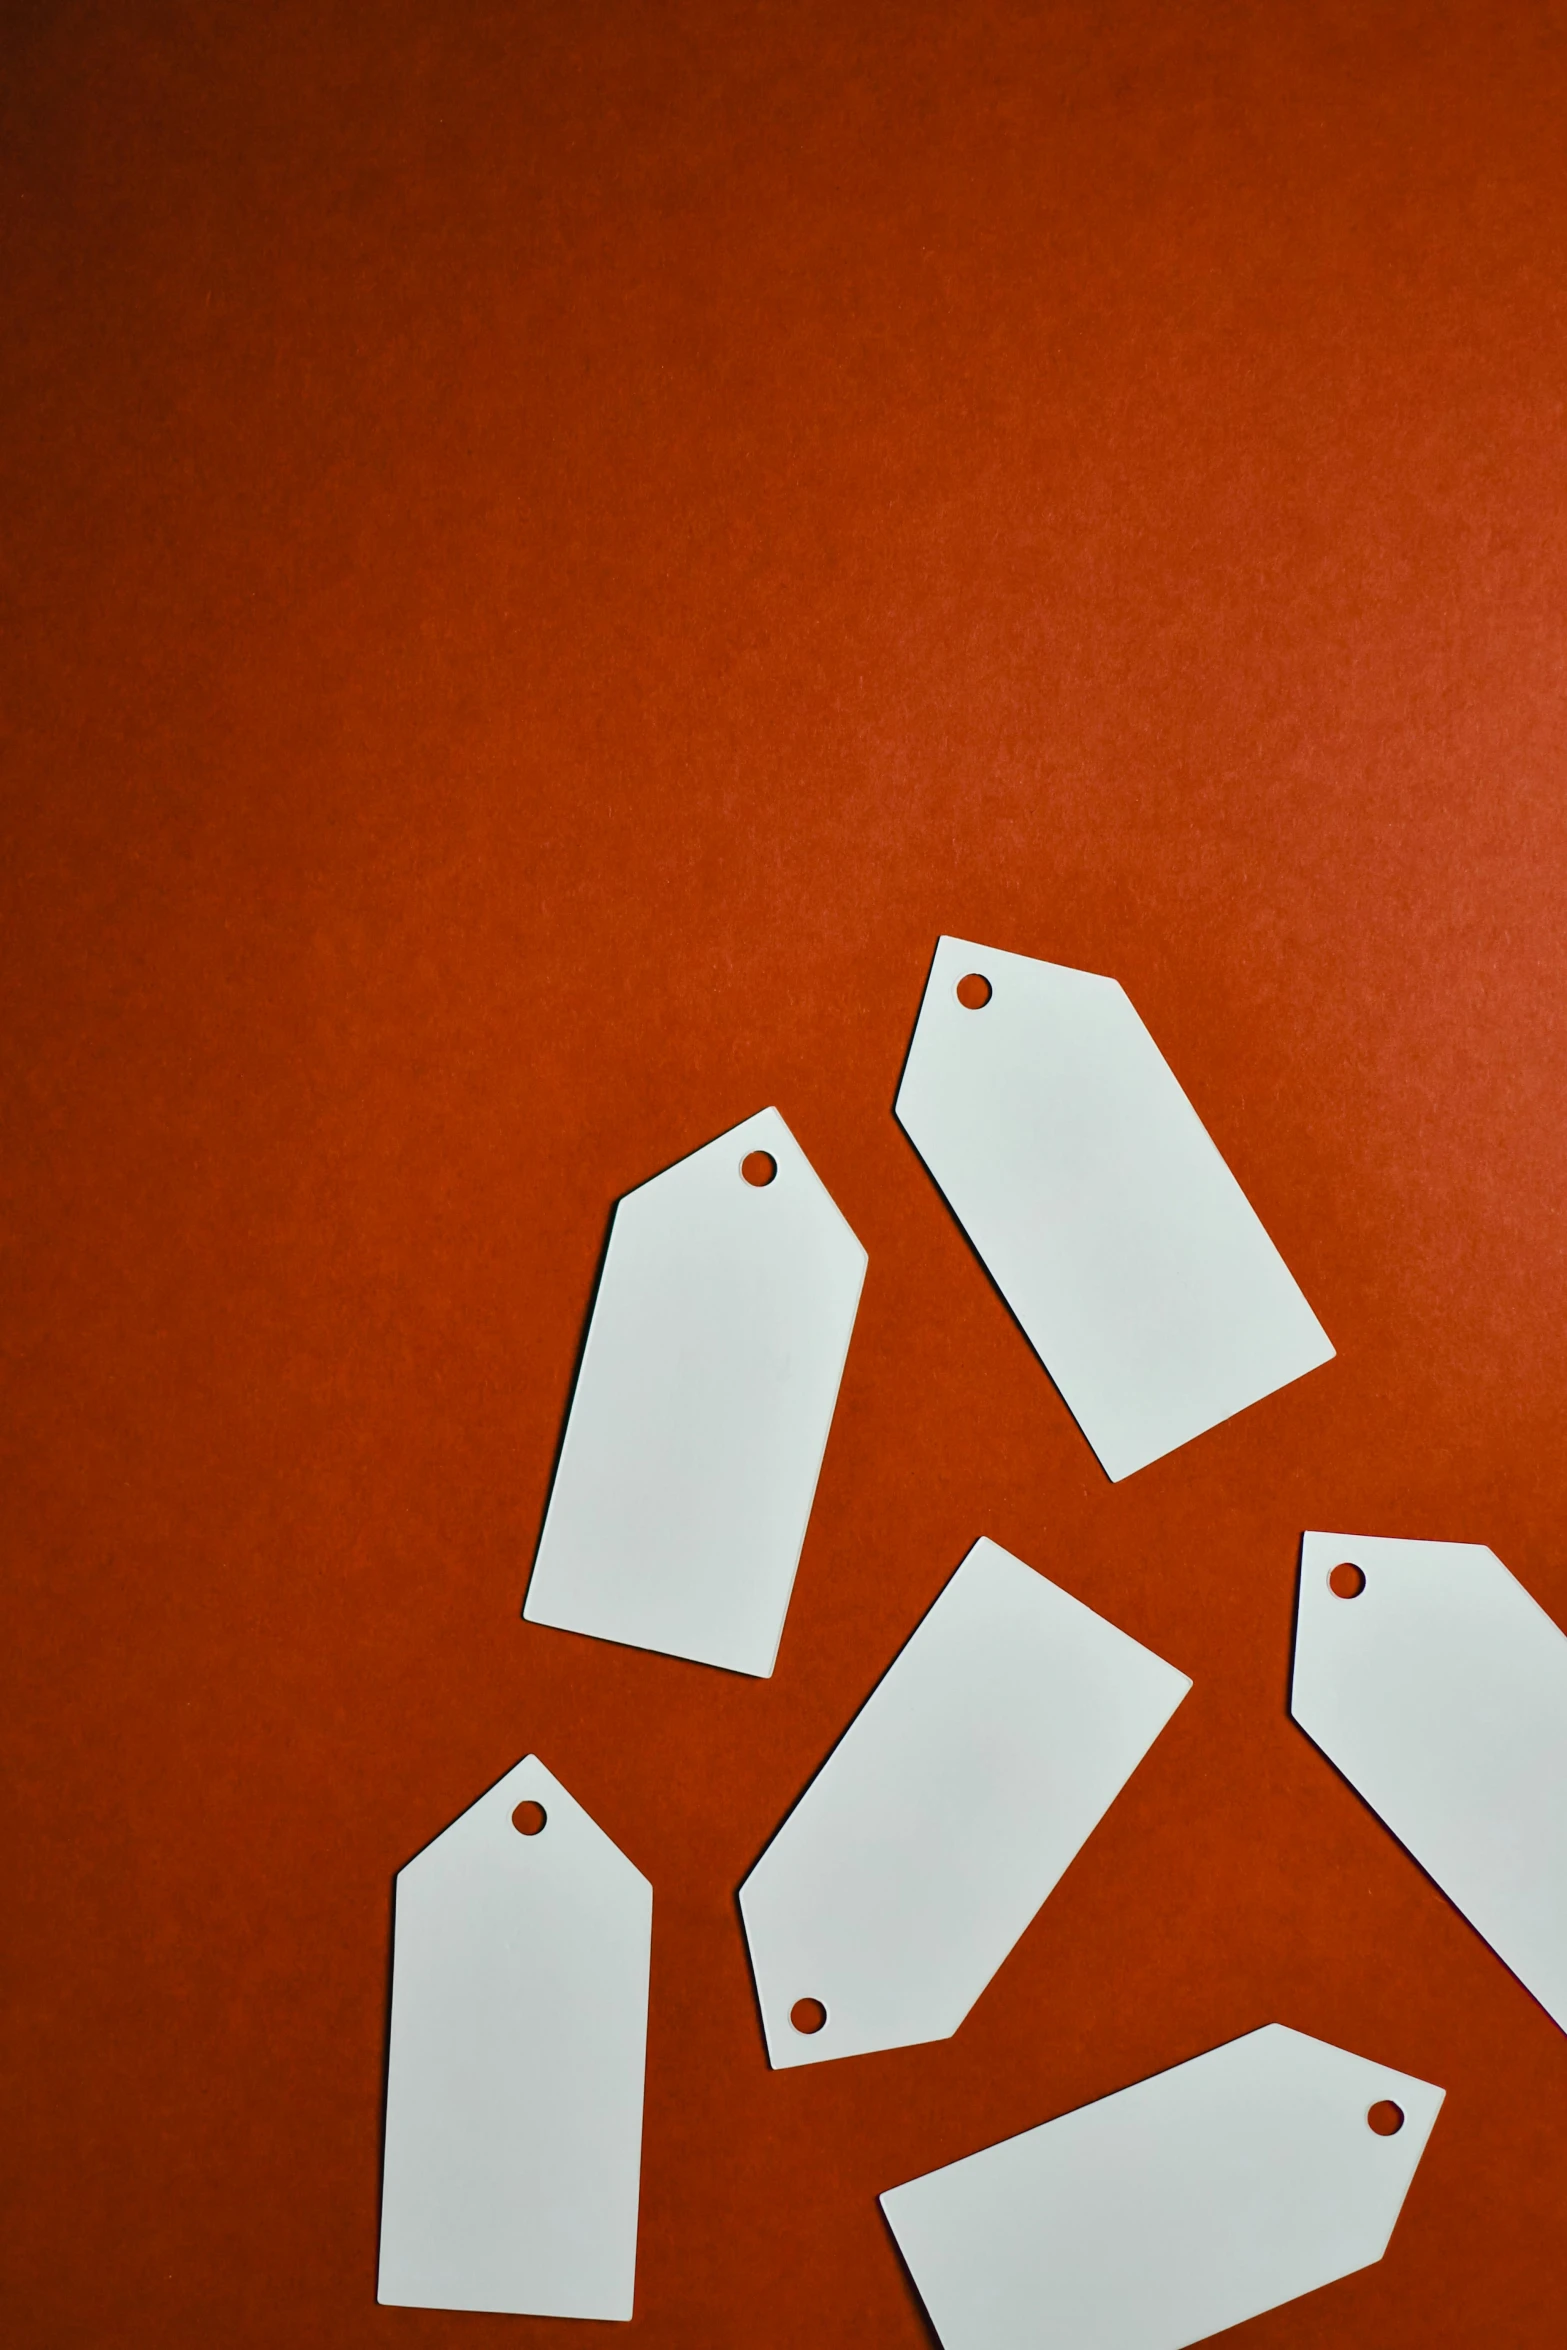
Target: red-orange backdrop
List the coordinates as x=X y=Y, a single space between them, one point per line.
x=549 y=551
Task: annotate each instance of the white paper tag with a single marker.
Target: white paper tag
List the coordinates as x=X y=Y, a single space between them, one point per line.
x=1426 y=1672
x=701 y=1412
x=1090 y=1187
x=1171 y=2210
x=950 y=1807
x=518 y=2044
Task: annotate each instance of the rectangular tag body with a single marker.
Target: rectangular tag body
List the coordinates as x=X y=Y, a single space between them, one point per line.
x=518 y=2046
x=1171 y=2210
x=701 y=1412
x=1439 y=1689
x=1109 y=1221
x=950 y=1807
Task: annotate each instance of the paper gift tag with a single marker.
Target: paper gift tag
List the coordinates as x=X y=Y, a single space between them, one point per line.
x=518 y=2040
x=945 y=1814
x=1166 y=2212
x=1087 y=1182
x=701 y=1411
x=1426 y=1672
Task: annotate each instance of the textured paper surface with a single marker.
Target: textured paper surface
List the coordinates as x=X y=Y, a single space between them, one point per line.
x=548 y=558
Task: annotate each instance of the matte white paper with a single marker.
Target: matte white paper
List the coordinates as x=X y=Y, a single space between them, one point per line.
x=707 y=1388
x=518 y=2044
x=948 y=1810
x=1111 y=1225
x=1440 y=1692
x=1171 y=2210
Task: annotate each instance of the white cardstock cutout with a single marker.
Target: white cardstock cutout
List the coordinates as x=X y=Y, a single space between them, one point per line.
x=701 y=1412
x=518 y=2046
x=1090 y=1187
x=1440 y=1692
x=1171 y=2210
x=948 y=1810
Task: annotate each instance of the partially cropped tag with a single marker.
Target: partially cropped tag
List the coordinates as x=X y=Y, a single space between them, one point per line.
x=701 y=1412
x=1169 y=2211
x=1089 y=1185
x=519 y=2035
x=945 y=1814
x=1426 y=1672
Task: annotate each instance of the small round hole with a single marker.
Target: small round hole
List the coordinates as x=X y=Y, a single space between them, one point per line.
x=974 y=991
x=1386 y=2118
x=1346 y=1581
x=758 y=1167
x=529 y=1818
x=807 y=2015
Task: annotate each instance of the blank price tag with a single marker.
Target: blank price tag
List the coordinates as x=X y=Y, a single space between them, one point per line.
x=1426 y=1672
x=1089 y=1185
x=701 y=1412
x=519 y=2036
x=1165 y=2213
x=946 y=1813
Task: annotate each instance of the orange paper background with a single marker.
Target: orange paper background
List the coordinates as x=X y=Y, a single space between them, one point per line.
x=549 y=551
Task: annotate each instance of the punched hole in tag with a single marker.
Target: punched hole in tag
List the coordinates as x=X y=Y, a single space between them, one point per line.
x=974 y=991
x=528 y=1819
x=1347 y=1581
x=1386 y=2118
x=808 y=2015
x=758 y=1168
